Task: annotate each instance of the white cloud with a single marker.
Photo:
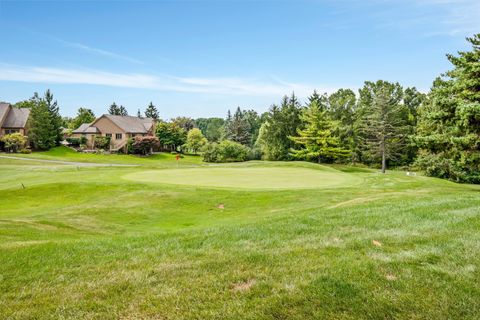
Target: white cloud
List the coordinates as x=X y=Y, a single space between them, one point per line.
x=100 y=52
x=225 y=86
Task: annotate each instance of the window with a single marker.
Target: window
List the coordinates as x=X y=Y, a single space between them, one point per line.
x=118 y=136
x=108 y=135
x=10 y=131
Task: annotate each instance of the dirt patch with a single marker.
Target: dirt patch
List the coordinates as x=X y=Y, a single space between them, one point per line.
x=243 y=286
x=390 y=277
x=221 y=206
x=376 y=243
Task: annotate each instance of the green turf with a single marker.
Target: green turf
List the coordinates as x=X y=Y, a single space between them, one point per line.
x=248 y=178
x=85 y=243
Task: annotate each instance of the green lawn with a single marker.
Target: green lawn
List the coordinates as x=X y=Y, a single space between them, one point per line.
x=156 y=160
x=242 y=241
x=241 y=177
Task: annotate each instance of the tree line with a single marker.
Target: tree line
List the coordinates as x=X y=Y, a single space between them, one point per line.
x=382 y=125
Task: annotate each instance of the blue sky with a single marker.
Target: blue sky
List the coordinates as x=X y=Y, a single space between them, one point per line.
x=200 y=58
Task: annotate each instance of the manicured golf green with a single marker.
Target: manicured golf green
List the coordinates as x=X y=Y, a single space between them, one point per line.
x=248 y=178
x=273 y=241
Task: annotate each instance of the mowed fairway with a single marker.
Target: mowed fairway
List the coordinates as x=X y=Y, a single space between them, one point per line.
x=248 y=177
x=336 y=242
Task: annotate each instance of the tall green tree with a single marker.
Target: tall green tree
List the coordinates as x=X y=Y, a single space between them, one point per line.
x=152 y=112
x=122 y=111
x=342 y=107
x=448 y=132
x=56 y=118
x=317 y=139
x=185 y=123
x=195 y=140
x=114 y=109
x=211 y=128
x=238 y=128
x=280 y=123
x=84 y=115
x=42 y=131
x=383 y=127
x=170 y=135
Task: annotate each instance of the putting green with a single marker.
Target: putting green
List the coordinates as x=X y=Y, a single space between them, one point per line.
x=247 y=177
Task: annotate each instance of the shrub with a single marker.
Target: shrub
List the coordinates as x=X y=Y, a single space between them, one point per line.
x=254 y=153
x=73 y=141
x=14 y=142
x=83 y=140
x=225 y=151
x=25 y=151
x=144 y=145
x=102 y=142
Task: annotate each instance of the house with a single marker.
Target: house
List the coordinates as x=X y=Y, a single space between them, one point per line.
x=13 y=120
x=118 y=128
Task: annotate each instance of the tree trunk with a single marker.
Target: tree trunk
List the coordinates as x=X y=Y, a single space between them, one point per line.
x=384 y=160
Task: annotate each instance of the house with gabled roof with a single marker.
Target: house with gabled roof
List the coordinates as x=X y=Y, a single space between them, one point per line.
x=13 y=120
x=118 y=128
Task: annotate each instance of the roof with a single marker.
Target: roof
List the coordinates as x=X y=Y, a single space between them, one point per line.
x=17 y=118
x=131 y=124
x=4 y=107
x=86 y=128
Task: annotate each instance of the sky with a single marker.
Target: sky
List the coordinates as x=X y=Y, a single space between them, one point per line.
x=201 y=58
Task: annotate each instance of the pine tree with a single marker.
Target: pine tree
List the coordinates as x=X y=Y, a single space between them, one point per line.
x=280 y=123
x=42 y=130
x=238 y=128
x=317 y=139
x=114 y=109
x=56 y=118
x=152 y=112
x=122 y=111
x=383 y=127
x=341 y=108
x=448 y=133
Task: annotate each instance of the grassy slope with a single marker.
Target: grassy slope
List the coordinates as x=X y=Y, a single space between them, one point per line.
x=87 y=244
x=67 y=154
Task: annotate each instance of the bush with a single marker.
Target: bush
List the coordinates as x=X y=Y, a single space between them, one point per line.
x=254 y=153
x=225 y=151
x=25 y=151
x=73 y=141
x=102 y=142
x=143 y=145
x=14 y=142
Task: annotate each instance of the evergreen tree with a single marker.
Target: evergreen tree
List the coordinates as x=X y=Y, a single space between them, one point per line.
x=114 y=109
x=281 y=122
x=448 y=132
x=341 y=107
x=238 y=128
x=122 y=111
x=42 y=131
x=152 y=112
x=317 y=138
x=383 y=127
x=56 y=118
